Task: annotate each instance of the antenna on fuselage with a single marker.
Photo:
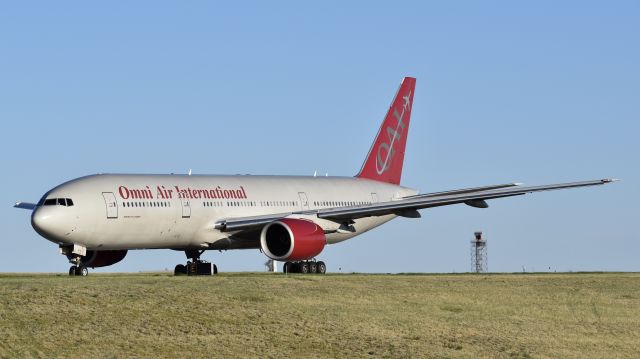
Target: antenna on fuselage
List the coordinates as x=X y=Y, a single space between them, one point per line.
x=189 y=171
x=315 y=173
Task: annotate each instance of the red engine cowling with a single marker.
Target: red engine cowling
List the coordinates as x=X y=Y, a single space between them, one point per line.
x=292 y=239
x=102 y=258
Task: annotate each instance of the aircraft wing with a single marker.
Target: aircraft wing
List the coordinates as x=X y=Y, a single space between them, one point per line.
x=24 y=205
x=406 y=206
x=464 y=190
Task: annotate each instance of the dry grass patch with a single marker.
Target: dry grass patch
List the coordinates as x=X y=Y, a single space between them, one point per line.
x=267 y=315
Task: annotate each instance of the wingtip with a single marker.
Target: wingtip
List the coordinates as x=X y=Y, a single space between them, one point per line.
x=610 y=180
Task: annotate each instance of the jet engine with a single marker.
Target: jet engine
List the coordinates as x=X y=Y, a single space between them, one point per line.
x=292 y=239
x=102 y=258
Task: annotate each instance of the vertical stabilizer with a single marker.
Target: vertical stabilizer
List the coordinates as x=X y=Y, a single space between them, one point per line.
x=385 y=158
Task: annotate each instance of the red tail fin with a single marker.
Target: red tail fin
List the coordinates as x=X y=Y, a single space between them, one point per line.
x=385 y=158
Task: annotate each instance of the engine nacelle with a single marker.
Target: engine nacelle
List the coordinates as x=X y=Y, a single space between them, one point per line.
x=95 y=259
x=292 y=239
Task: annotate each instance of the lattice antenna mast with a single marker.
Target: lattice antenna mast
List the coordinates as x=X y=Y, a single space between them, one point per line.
x=479 y=254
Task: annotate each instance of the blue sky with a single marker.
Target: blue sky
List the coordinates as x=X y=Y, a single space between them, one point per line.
x=537 y=92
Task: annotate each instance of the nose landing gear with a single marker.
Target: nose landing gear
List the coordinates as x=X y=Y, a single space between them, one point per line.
x=74 y=254
x=79 y=270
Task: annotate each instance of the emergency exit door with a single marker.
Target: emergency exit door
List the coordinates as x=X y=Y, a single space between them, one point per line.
x=111 y=204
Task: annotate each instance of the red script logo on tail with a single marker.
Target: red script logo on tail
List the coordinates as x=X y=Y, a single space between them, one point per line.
x=386 y=156
x=393 y=134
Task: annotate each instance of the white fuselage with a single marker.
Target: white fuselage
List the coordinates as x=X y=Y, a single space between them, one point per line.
x=114 y=211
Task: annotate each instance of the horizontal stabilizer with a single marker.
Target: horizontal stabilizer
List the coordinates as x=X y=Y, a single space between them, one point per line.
x=24 y=205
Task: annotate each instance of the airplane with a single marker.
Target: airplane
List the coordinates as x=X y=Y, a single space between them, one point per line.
x=95 y=220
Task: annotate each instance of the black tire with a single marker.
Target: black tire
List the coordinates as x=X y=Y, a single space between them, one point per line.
x=72 y=270
x=304 y=267
x=180 y=270
x=215 y=269
x=82 y=271
x=322 y=268
x=297 y=267
x=313 y=267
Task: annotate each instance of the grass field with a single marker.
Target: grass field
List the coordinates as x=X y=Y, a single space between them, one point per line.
x=272 y=315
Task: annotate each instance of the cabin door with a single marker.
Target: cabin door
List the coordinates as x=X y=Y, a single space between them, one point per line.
x=186 y=207
x=111 y=203
x=304 y=201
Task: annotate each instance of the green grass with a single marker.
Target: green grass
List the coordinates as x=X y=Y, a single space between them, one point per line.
x=274 y=316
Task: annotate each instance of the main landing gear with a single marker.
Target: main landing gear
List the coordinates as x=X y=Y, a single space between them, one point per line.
x=195 y=266
x=305 y=267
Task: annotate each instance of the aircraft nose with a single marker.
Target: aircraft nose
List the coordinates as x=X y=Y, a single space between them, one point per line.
x=40 y=220
x=44 y=220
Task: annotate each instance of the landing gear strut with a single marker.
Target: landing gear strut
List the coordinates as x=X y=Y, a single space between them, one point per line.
x=305 y=267
x=195 y=266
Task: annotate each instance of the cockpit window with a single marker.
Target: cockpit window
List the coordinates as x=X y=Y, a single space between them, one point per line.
x=67 y=202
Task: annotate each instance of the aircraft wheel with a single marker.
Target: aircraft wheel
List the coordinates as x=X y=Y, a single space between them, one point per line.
x=82 y=271
x=180 y=270
x=304 y=267
x=313 y=267
x=72 y=270
x=322 y=268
